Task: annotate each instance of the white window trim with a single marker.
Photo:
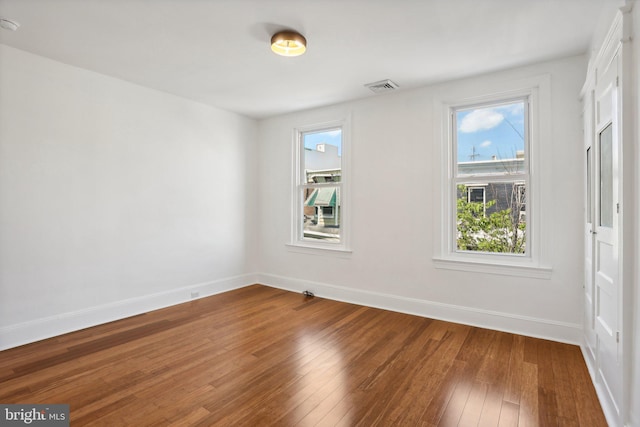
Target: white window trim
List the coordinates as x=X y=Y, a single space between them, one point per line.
x=298 y=243
x=535 y=263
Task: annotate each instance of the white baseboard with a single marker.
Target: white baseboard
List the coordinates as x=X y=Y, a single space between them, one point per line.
x=534 y=327
x=39 y=329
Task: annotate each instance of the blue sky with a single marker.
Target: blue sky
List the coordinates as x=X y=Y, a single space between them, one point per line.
x=331 y=137
x=491 y=131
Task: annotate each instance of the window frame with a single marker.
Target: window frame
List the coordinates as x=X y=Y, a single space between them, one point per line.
x=446 y=256
x=298 y=242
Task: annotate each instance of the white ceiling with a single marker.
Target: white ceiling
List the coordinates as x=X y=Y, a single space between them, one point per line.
x=217 y=51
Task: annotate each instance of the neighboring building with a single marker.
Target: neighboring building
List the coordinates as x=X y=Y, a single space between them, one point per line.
x=506 y=194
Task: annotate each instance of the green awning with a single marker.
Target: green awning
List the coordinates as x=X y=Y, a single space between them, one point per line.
x=323 y=197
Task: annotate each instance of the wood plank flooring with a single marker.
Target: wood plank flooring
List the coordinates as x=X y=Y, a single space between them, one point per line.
x=260 y=356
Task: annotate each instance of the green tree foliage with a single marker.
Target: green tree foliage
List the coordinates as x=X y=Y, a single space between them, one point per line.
x=498 y=232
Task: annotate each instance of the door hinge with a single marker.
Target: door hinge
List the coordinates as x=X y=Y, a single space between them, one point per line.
x=617 y=81
x=617 y=207
x=618 y=336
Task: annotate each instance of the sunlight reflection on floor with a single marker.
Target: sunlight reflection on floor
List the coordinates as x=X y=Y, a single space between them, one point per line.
x=323 y=388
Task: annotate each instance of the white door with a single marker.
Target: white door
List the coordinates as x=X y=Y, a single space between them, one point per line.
x=605 y=243
x=590 y=197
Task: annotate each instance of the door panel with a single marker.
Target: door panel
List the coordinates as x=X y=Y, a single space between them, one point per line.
x=606 y=313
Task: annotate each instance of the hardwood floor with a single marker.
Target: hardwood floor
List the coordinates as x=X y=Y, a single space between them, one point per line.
x=259 y=356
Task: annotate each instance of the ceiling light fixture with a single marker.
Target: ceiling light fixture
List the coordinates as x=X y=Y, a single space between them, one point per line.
x=288 y=43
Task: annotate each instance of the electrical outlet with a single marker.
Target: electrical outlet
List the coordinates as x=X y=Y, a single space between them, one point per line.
x=195 y=295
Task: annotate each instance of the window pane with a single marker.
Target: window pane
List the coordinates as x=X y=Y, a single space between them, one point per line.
x=606 y=178
x=589 y=187
x=491 y=140
x=320 y=187
x=322 y=156
x=321 y=208
x=498 y=224
x=475 y=194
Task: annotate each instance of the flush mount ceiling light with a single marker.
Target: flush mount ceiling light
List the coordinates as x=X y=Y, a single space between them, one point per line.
x=288 y=43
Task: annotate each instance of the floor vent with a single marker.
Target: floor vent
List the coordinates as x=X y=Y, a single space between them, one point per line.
x=382 y=86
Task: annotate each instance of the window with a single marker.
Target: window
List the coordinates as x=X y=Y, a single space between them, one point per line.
x=319 y=187
x=490 y=143
x=475 y=195
x=589 y=187
x=327 y=211
x=492 y=192
x=605 y=192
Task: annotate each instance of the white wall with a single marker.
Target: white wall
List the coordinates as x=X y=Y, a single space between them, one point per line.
x=114 y=198
x=394 y=202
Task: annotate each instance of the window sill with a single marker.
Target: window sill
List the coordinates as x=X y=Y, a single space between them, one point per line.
x=523 y=269
x=315 y=249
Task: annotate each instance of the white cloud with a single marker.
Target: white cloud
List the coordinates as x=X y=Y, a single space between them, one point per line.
x=478 y=120
x=513 y=110
x=334 y=132
x=485 y=144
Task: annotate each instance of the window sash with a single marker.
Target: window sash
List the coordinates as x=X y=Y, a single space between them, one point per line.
x=302 y=169
x=336 y=216
x=526 y=100
x=471 y=180
x=301 y=187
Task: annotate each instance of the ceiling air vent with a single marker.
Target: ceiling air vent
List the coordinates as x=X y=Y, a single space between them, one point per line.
x=382 y=86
